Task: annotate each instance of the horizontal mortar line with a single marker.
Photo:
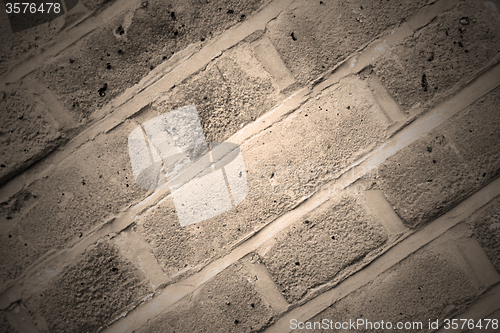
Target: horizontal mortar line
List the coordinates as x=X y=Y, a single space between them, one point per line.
x=482 y=308
x=114 y=117
x=396 y=254
x=405 y=137
x=67 y=38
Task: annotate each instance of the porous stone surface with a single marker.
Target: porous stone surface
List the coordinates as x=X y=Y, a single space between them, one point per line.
x=232 y=92
x=429 y=177
x=226 y=303
x=426 y=285
x=28 y=131
x=92 y=290
x=312 y=36
x=324 y=242
x=486 y=229
x=289 y=161
x=451 y=48
x=118 y=55
x=77 y=195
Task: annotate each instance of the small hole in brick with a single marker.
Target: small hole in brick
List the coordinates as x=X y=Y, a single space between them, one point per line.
x=293 y=36
x=333 y=237
x=236 y=322
x=230 y=11
x=10 y=236
x=297 y=263
x=114 y=269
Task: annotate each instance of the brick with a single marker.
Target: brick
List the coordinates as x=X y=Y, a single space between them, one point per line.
x=486 y=227
x=321 y=245
x=452 y=48
x=93 y=289
x=231 y=92
x=290 y=160
x=29 y=131
x=226 y=303
x=77 y=195
x=81 y=76
x=430 y=284
x=429 y=177
x=475 y=134
x=312 y=37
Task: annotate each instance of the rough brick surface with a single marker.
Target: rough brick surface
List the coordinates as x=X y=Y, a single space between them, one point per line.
x=427 y=285
x=27 y=133
x=113 y=59
x=93 y=289
x=436 y=172
x=78 y=195
x=227 y=303
x=232 y=92
x=452 y=48
x=290 y=160
x=312 y=36
x=323 y=243
x=486 y=229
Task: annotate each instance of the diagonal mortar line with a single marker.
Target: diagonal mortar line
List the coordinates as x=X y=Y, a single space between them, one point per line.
x=124 y=219
x=137 y=97
x=486 y=306
x=419 y=128
x=393 y=256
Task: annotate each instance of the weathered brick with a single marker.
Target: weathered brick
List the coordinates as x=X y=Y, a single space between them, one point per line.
x=93 y=289
x=324 y=242
x=288 y=161
x=226 y=303
x=486 y=228
x=95 y=70
x=231 y=92
x=435 y=173
x=74 y=197
x=314 y=36
x=28 y=131
x=451 y=48
x=430 y=284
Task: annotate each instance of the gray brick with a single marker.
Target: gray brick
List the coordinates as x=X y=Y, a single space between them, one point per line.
x=226 y=303
x=429 y=177
x=28 y=132
x=486 y=226
x=450 y=49
x=290 y=160
x=232 y=91
x=74 y=197
x=154 y=35
x=92 y=290
x=323 y=243
x=427 y=285
x=326 y=32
